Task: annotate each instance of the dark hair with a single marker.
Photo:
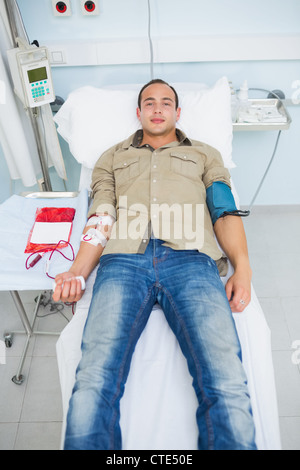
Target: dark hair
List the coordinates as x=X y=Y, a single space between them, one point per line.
x=153 y=82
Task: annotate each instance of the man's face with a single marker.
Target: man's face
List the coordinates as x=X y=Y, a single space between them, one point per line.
x=158 y=114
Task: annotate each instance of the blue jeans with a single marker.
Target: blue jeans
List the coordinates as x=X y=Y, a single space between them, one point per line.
x=188 y=287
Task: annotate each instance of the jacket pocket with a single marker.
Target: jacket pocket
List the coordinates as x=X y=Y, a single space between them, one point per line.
x=185 y=164
x=125 y=169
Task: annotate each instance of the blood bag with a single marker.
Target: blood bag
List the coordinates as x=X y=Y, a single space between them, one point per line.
x=51 y=225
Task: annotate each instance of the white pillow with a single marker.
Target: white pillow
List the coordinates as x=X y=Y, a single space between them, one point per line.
x=206 y=116
x=94 y=119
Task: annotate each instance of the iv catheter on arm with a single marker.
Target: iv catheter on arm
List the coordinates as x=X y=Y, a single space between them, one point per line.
x=93 y=241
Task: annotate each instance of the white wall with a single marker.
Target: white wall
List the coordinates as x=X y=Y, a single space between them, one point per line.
x=217 y=26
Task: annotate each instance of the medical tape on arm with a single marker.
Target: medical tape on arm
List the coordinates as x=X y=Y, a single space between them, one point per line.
x=220 y=202
x=100 y=220
x=94 y=236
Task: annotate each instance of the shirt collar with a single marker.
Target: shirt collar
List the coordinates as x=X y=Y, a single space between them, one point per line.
x=136 y=139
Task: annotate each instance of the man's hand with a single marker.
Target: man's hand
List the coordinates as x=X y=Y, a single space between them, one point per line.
x=238 y=291
x=68 y=288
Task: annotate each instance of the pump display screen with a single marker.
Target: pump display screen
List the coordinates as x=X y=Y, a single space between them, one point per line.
x=36 y=75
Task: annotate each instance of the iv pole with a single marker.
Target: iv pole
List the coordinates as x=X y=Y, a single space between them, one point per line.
x=11 y=8
x=18 y=31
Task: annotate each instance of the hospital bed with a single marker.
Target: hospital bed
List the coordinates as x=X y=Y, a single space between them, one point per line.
x=158 y=408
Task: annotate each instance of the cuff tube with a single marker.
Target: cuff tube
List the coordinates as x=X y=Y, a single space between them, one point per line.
x=220 y=202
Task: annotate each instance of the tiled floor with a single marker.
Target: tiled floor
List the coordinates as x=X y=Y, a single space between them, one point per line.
x=31 y=414
x=273 y=239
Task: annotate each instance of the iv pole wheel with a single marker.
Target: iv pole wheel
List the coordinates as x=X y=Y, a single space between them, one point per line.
x=8 y=340
x=18 y=380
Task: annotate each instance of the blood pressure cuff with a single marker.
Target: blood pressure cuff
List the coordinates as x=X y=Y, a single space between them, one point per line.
x=220 y=202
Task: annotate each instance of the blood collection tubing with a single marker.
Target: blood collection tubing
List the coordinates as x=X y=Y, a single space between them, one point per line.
x=41 y=253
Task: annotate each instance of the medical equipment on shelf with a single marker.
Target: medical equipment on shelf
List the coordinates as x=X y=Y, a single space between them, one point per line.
x=31 y=73
x=243 y=92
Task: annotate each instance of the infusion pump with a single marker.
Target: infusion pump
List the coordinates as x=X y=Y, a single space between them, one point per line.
x=31 y=75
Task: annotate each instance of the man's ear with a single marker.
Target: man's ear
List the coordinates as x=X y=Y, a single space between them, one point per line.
x=178 y=114
x=138 y=113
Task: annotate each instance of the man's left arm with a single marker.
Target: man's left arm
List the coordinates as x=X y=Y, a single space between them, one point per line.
x=229 y=229
x=231 y=236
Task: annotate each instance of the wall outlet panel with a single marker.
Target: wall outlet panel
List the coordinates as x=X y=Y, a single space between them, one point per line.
x=89 y=7
x=61 y=8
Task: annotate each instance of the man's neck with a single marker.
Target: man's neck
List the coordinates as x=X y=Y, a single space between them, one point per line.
x=159 y=141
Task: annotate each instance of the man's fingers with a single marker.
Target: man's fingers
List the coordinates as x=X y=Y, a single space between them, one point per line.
x=238 y=294
x=67 y=288
x=239 y=301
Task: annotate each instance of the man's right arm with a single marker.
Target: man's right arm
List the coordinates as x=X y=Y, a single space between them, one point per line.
x=68 y=288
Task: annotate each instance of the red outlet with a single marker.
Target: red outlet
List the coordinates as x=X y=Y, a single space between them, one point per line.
x=61 y=7
x=90 y=6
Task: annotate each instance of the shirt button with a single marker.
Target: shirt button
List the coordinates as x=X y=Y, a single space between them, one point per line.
x=144 y=241
x=154 y=181
x=154 y=199
x=125 y=164
x=154 y=166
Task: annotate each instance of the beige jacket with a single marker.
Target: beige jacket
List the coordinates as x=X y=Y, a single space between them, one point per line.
x=160 y=193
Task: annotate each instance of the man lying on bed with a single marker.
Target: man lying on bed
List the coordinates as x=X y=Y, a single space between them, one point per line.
x=168 y=196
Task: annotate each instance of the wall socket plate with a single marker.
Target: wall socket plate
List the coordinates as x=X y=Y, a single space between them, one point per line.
x=62 y=8
x=90 y=7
